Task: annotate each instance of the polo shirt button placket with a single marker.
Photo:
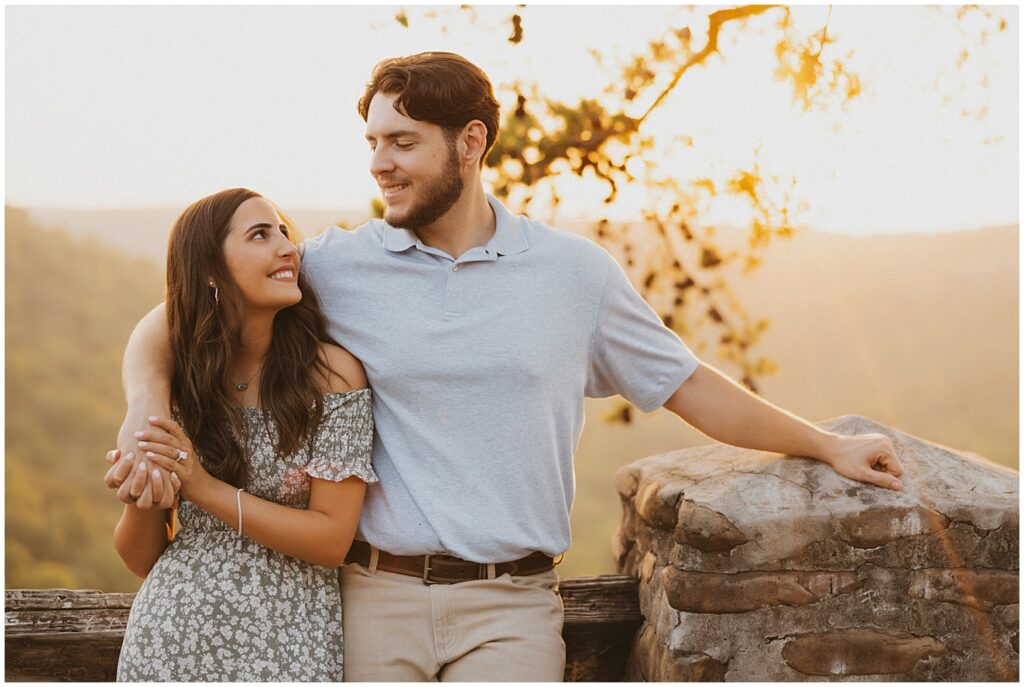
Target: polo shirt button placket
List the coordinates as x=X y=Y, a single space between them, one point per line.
x=453 y=292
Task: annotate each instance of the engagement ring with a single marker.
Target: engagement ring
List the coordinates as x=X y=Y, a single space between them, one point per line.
x=182 y=455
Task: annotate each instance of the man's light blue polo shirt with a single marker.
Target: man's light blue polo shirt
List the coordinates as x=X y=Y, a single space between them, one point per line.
x=479 y=367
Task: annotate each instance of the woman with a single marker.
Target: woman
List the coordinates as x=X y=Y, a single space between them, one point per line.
x=272 y=457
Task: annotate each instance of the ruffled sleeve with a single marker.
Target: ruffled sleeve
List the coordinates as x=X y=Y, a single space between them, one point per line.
x=344 y=441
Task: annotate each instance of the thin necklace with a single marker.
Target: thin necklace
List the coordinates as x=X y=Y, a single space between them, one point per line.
x=245 y=385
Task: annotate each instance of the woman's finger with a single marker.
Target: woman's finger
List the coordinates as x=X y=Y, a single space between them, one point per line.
x=118 y=472
x=111 y=479
x=163 y=461
x=169 y=426
x=123 y=494
x=113 y=455
x=176 y=482
x=145 y=501
x=123 y=469
x=156 y=484
x=157 y=435
x=159 y=449
x=169 y=491
x=138 y=480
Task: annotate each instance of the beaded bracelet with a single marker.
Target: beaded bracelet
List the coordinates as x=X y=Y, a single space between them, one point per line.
x=238 y=500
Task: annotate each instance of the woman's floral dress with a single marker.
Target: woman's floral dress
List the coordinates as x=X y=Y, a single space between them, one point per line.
x=217 y=607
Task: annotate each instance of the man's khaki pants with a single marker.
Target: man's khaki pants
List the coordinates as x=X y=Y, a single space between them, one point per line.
x=398 y=629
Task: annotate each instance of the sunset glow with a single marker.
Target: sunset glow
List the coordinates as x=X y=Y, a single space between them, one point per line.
x=104 y=110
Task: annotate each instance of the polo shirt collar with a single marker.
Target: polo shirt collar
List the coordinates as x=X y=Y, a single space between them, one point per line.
x=508 y=238
x=397 y=240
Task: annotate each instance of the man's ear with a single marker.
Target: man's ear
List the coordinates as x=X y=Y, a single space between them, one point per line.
x=474 y=142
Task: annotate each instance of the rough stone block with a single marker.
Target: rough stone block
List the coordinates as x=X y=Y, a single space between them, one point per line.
x=699 y=592
x=859 y=651
x=755 y=566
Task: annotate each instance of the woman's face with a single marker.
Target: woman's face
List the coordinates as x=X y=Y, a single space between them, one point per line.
x=260 y=258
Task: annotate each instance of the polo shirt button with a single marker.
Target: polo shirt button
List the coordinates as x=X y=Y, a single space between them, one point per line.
x=455 y=268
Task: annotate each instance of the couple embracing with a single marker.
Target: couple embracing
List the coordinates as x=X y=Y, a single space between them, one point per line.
x=402 y=401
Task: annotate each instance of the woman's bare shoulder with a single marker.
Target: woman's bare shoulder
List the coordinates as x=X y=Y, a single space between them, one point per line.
x=344 y=372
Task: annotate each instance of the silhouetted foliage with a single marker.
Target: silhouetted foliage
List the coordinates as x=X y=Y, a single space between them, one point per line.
x=673 y=257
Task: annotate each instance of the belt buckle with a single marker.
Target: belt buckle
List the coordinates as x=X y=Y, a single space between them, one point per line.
x=426 y=570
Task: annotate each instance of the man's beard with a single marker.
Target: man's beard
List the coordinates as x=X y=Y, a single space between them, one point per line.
x=440 y=195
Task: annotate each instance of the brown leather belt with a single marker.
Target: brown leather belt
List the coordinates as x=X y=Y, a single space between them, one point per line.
x=441 y=569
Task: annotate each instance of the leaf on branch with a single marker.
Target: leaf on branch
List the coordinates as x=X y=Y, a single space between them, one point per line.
x=517 y=29
x=402 y=18
x=704 y=183
x=621 y=413
x=377 y=208
x=709 y=258
x=745 y=183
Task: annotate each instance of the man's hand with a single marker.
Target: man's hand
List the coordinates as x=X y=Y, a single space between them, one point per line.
x=869 y=458
x=727 y=412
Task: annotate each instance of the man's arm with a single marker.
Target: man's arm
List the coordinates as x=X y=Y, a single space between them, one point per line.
x=146 y=377
x=728 y=413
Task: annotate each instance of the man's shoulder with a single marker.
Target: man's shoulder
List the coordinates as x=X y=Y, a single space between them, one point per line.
x=561 y=244
x=335 y=242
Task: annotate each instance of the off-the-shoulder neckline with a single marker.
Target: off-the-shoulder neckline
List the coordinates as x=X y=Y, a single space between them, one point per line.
x=326 y=395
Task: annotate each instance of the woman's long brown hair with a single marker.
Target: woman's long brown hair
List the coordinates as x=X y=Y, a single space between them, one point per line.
x=205 y=341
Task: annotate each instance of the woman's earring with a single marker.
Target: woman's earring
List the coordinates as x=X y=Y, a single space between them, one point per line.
x=216 y=293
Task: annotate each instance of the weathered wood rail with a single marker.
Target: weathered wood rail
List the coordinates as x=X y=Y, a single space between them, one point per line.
x=75 y=635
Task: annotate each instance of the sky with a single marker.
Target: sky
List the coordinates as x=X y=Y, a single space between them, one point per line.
x=159 y=105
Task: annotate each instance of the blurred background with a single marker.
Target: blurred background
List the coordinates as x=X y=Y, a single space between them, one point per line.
x=822 y=201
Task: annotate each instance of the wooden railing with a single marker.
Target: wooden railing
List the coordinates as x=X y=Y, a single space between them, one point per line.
x=75 y=635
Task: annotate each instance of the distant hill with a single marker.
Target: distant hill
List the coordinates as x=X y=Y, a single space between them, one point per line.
x=70 y=306
x=919 y=332
x=143 y=231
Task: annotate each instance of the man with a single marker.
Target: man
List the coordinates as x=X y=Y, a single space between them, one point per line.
x=481 y=333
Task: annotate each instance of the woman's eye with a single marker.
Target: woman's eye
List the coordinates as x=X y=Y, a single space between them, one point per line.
x=259 y=233
x=284 y=230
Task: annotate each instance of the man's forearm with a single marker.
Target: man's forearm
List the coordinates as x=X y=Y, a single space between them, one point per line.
x=146 y=376
x=148 y=363
x=728 y=413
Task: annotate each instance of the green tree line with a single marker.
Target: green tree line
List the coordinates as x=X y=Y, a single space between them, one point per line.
x=71 y=305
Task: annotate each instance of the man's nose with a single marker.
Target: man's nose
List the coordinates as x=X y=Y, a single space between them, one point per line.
x=380 y=162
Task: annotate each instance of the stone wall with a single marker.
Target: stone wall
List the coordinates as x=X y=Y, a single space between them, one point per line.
x=757 y=567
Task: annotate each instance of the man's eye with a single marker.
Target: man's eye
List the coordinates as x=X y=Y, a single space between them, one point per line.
x=403 y=146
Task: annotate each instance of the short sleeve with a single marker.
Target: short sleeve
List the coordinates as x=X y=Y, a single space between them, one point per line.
x=632 y=352
x=311 y=251
x=343 y=444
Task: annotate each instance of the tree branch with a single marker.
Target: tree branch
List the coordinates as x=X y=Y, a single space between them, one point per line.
x=715 y=22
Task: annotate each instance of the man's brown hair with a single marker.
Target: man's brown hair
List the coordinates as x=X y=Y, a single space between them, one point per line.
x=442 y=88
